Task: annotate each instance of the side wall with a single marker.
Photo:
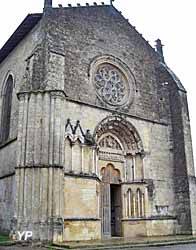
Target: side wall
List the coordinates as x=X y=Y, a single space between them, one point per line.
x=7 y=186
x=7 y=203
x=181 y=147
x=189 y=159
x=15 y=64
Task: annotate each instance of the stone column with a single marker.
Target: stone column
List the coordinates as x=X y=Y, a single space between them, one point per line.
x=39 y=171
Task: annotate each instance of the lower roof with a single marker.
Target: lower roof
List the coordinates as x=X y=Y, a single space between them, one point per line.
x=24 y=28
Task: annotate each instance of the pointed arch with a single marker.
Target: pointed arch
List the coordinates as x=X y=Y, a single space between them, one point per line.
x=4 y=83
x=135 y=203
x=110 y=174
x=129 y=202
x=6 y=94
x=138 y=203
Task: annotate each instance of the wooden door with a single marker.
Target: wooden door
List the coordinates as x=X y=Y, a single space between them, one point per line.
x=106 y=210
x=111 y=202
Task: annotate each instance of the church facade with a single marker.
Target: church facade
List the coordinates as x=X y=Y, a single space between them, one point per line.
x=95 y=137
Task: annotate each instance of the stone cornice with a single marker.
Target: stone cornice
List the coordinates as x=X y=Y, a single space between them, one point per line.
x=82 y=175
x=82 y=219
x=40 y=166
x=166 y=217
x=136 y=182
x=54 y=93
x=116 y=112
x=5 y=144
x=7 y=175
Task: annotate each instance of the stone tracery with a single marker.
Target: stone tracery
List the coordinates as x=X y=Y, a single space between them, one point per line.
x=113 y=81
x=111 y=84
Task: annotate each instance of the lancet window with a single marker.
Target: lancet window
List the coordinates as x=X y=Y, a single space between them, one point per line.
x=135 y=203
x=6 y=110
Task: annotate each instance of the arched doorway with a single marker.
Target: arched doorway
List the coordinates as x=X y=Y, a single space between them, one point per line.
x=120 y=165
x=111 y=201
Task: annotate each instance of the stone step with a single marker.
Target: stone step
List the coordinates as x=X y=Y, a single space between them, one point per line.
x=121 y=245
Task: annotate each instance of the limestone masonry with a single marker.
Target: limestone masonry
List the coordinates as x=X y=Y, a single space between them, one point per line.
x=95 y=137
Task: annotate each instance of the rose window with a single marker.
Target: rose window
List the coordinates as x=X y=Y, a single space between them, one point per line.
x=111 y=84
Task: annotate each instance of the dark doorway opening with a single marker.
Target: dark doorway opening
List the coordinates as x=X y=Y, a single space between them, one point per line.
x=115 y=195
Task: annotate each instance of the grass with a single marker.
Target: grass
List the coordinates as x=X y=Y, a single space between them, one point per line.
x=4 y=238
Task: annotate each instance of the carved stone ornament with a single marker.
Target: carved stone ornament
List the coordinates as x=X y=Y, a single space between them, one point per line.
x=113 y=81
x=75 y=133
x=111 y=85
x=110 y=142
x=122 y=129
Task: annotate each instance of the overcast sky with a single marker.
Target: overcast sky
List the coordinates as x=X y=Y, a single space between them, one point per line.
x=173 y=21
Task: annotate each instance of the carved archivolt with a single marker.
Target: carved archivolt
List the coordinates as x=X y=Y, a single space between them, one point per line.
x=122 y=129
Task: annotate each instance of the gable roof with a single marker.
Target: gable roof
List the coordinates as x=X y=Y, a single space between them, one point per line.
x=24 y=28
x=32 y=19
x=173 y=76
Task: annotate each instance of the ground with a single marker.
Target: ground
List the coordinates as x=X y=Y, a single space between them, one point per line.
x=21 y=248
x=177 y=247
x=3 y=238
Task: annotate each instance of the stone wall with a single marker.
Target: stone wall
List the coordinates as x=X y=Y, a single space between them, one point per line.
x=161 y=227
x=151 y=96
x=82 y=230
x=86 y=205
x=7 y=203
x=181 y=145
x=7 y=186
x=7 y=164
x=54 y=76
x=82 y=211
x=132 y=229
x=14 y=64
x=84 y=40
x=150 y=227
x=157 y=162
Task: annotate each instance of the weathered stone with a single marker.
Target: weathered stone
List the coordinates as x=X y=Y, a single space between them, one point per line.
x=99 y=140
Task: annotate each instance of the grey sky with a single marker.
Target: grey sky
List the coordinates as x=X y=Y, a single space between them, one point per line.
x=173 y=21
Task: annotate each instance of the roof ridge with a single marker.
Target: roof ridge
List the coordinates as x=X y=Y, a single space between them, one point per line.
x=141 y=36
